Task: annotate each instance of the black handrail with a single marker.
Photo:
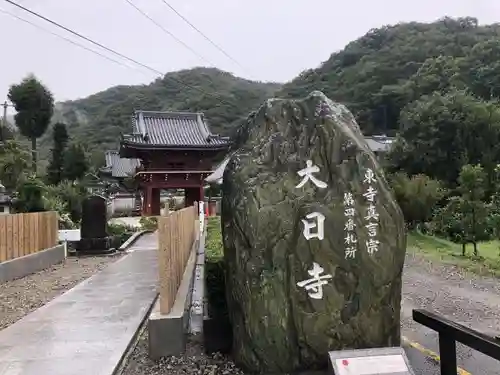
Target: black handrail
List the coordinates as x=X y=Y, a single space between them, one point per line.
x=450 y=333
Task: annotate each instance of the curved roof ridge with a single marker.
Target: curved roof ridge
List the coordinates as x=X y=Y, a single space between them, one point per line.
x=165 y=114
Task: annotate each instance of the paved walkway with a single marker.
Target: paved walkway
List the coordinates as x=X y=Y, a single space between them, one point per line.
x=145 y=242
x=87 y=329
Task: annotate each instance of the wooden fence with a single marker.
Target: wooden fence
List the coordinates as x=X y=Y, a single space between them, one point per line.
x=176 y=235
x=24 y=234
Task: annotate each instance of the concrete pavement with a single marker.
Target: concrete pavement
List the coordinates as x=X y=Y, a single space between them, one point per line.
x=87 y=329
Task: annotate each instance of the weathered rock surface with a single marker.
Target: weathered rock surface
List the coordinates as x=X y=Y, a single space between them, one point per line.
x=278 y=325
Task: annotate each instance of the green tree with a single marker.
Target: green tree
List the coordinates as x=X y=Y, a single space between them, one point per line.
x=494 y=206
x=449 y=221
x=30 y=196
x=451 y=130
x=471 y=185
x=71 y=195
x=14 y=165
x=34 y=104
x=6 y=133
x=60 y=142
x=75 y=163
x=481 y=68
x=417 y=196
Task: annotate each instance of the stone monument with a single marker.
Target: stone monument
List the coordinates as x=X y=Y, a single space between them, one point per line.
x=94 y=238
x=314 y=240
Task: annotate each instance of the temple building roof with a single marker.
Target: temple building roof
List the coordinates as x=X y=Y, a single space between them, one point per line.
x=172 y=130
x=379 y=143
x=119 y=167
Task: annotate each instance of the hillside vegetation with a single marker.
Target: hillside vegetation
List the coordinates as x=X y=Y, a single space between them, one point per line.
x=376 y=76
x=379 y=73
x=101 y=118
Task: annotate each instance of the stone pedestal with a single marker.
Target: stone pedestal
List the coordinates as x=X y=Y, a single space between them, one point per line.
x=94 y=245
x=94 y=238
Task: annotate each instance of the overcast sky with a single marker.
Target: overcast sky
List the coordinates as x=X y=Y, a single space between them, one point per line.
x=274 y=40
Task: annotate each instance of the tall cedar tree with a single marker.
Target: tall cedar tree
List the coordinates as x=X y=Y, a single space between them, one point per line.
x=55 y=169
x=75 y=163
x=34 y=105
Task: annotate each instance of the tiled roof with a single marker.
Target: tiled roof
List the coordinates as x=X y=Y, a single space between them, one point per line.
x=119 y=167
x=379 y=143
x=216 y=176
x=174 y=129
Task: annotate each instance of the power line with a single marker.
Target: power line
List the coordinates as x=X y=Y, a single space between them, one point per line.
x=202 y=34
x=168 y=32
x=64 y=38
x=115 y=52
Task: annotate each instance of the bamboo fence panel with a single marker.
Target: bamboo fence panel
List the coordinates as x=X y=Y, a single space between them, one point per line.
x=25 y=234
x=176 y=235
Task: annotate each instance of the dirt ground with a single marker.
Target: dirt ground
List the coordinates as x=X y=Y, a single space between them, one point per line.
x=22 y=296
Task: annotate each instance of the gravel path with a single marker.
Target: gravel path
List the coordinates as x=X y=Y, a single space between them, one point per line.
x=22 y=296
x=465 y=298
x=469 y=299
x=193 y=362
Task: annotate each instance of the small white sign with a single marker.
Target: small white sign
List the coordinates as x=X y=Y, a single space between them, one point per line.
x=69 y=235
x=383 y=364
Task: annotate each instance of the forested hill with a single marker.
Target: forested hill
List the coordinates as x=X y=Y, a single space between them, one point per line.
x=376 y=75
x=99 y=119
x=379 y=73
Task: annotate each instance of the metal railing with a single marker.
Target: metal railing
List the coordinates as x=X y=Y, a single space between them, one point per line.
x=450 y=333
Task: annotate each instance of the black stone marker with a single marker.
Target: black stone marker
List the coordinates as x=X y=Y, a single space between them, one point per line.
x=93 y=232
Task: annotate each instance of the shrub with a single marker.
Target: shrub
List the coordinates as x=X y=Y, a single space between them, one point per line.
x=149 y=223
x=120 y=233
x=71 y=195
x=417 y=196
x=30 y=196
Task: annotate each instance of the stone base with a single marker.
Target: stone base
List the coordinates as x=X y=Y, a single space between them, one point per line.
x=94 y=246
x=28 y=264
x=168 y=332
x=217 y=335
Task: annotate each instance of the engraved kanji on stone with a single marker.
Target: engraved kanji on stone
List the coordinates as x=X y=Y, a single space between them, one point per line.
x=369 y=177
x=315 y=284
x=370 y=194
x=349 y=211
x=350 y=252
x=307 y=174
x=372 y=229
x=371 y=213
x=349 y=225
x=350 y=239
x=372 y=246
x=318 y=223
x=348 y=199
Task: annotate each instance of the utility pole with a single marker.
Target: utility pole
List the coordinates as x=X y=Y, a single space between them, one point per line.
x=4 y=122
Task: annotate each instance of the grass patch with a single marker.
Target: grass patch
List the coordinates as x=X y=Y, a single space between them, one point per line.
x=215 y=269
x=433 y=248
x=447 y=252
x=214 y=250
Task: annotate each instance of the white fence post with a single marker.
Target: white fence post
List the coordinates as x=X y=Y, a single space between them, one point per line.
x=201 y=216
